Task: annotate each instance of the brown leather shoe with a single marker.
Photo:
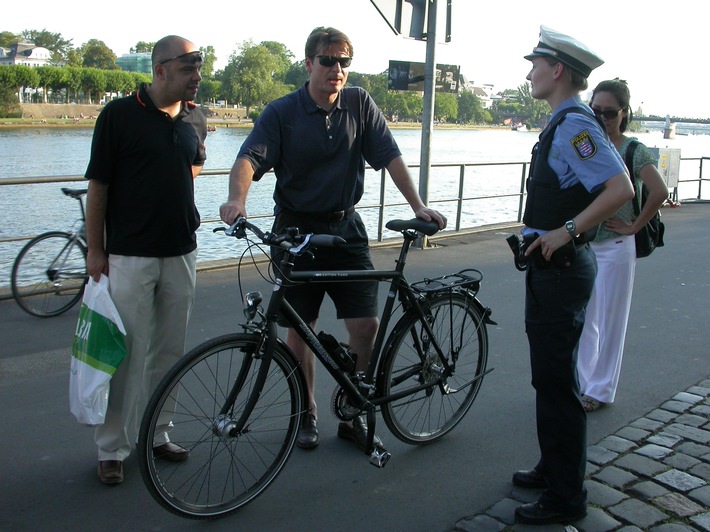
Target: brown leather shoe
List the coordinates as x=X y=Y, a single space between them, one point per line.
x=110 y=472
x=171 y=452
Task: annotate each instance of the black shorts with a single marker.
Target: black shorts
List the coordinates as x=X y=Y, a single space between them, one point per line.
x=357 y=299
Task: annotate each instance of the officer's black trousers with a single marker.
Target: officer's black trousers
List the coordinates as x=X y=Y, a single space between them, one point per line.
x=555 y=304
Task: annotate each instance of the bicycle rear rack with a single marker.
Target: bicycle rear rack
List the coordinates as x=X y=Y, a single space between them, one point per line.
x=469 y=278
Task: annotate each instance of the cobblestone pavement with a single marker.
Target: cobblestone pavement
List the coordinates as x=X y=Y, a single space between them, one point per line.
x=653 y=474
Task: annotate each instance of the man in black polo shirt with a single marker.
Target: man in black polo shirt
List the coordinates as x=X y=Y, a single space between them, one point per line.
x=318 y=139
x=141 y=221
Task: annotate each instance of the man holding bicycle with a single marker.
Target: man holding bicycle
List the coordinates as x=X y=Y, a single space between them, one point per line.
x=317 y=140
x=146 y=151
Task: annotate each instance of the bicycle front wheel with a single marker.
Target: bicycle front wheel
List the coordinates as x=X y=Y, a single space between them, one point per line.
x=225 y=470
x=49 y=274
x=411 y=360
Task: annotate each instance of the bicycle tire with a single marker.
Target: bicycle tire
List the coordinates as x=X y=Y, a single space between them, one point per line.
x=410 y=360
x=222 y=473
x=49 y=274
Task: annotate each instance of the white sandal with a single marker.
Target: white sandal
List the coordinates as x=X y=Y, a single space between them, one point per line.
x=590 y=404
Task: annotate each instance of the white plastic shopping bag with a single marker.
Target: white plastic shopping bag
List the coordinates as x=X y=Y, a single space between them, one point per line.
x=98 y=349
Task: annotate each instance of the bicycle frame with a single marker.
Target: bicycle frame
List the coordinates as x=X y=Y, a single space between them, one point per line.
x=358 y=394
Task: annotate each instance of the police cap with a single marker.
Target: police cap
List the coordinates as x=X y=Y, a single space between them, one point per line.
x=567 y=50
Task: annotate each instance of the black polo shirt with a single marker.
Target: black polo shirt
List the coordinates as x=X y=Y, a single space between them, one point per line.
x=319 y=158
x=147 y=158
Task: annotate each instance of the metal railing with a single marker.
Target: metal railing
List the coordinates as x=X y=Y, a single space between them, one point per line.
x=513 y=191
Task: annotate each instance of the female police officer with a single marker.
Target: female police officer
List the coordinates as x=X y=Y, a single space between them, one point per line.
x=577 y=180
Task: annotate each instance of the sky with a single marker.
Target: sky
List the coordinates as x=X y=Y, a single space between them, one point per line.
x=658 y=49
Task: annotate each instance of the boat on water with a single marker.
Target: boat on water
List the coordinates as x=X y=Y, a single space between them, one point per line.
x=520 y=127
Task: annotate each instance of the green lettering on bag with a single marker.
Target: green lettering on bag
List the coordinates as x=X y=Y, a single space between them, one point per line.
x=104 y=348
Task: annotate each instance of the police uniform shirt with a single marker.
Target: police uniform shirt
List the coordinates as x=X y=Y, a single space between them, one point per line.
x=581 y=151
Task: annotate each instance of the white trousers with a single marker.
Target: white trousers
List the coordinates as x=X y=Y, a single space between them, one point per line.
x=154 y=298
x=601 y=346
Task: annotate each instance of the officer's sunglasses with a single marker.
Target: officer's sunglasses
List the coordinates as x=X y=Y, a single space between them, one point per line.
x=609 y=114
x=330 y=60
x=189 y=57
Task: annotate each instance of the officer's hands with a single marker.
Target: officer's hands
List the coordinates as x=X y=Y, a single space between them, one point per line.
x=549 y=243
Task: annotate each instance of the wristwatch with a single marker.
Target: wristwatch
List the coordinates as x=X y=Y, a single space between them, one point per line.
x=571 y=228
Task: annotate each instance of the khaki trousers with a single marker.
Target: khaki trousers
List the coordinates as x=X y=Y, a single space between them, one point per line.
x=154 y=298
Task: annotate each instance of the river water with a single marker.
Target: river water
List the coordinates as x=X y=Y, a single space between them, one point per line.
x=28 y=210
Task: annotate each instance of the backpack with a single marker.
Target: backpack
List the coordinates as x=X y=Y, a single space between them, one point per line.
x=649 y=236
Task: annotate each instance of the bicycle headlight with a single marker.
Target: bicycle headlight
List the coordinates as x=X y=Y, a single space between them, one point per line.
x=251 y=304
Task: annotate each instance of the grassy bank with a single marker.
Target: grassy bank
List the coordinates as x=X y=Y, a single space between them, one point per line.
x=77 y=115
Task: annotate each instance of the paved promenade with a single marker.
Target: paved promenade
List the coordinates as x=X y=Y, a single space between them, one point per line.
x=649 y=454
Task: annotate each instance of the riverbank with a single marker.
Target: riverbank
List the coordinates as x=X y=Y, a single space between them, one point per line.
x=81 y=115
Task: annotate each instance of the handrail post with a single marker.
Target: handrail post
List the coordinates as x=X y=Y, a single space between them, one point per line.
x=522 y=193
x=459 y=201
x=381 y=208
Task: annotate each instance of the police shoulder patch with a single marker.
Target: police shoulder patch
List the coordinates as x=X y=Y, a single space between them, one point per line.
x=584 y=145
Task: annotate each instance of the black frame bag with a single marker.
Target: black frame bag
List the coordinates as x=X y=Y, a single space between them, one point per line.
x=650 y=236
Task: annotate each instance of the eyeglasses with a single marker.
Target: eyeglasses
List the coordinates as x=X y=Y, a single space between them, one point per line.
x=609 y=114
x=330 y=60
x=189 y=57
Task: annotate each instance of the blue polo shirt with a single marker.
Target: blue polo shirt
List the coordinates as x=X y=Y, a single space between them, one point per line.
x=318 y=157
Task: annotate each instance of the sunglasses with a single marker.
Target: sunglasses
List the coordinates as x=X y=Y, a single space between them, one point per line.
x=330 y=60
x=189 y=57
x=609 y=114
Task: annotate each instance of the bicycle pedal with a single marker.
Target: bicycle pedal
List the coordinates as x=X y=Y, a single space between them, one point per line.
x=380 y=457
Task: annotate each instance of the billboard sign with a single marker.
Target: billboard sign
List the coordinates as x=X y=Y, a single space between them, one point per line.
x=409 y=76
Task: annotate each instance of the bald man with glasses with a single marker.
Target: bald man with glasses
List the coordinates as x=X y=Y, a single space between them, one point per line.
x=141 y=221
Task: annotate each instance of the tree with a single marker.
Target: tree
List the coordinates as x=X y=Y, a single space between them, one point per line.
x=74 y=58
x=9 y=104
x=97 y=55
x=74 y=79
x=210 y=90
x=470 y=108
x=21 y=76
x=93 y=81
x=119 y=82
x=54 y=42
x=446 y=107
x=210 y=59
x=51 y=77
x=283 y=57
x=143 y=47
x=297 y=75
x=536 y=110
x=7 y=38
x=254 y=76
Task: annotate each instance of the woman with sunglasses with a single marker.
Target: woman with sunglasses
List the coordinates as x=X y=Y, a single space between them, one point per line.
x=602 y=343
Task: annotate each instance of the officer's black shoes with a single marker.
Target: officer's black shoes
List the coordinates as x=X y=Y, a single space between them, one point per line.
x=535 y=513
x=529 y=479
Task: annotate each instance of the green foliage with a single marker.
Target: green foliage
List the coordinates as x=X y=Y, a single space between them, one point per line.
x=208 y=65
x=51 y=77
x=256 y=75
x=446 y=107
x=96 y=54
x=93 y=81
x=9 y=105
x=143 y=47
x=54 y=42
x=470 y=109
x=7 y=38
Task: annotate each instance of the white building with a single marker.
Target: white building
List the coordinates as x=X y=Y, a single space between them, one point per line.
x=25 y=53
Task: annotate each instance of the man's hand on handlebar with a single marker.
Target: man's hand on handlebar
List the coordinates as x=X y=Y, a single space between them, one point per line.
x=231 y=210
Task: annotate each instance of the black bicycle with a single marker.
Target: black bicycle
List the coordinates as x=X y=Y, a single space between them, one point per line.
x=49 y=273
x=237 y=401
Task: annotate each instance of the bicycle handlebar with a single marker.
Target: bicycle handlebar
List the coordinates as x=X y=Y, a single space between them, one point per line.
x=291 y=240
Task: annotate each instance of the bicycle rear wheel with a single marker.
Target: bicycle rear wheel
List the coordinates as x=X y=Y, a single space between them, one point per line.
x=49 y=274
x=223 y=472
x=410 y=360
